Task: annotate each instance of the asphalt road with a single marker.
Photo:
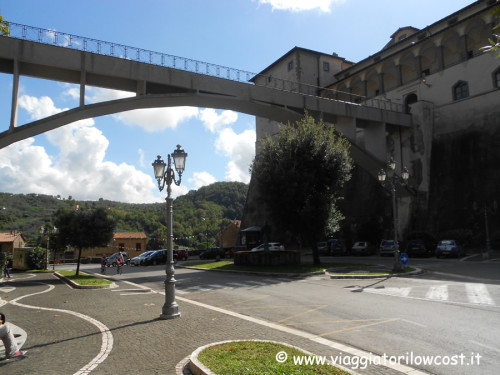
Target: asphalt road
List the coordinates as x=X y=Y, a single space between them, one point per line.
x=451 y=311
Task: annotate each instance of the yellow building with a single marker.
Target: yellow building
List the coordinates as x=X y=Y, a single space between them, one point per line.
x=133 y=243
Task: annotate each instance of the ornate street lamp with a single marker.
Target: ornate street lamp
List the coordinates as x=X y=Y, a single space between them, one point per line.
x=393 y=180
x=164 y=177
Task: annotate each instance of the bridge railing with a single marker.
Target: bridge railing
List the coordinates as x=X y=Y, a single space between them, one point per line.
x=57 y=38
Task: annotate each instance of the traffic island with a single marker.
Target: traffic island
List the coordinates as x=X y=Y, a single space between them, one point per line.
x=372 y=272
x=255 y=357
x=267 y=258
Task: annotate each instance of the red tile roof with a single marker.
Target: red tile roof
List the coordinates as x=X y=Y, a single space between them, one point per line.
x=129 y=235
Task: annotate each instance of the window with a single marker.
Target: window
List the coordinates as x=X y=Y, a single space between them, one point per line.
x=290 y=65
x=401 y=37
x=121 y=247
x=326 y=66
x=461 y=90
x=138 y=246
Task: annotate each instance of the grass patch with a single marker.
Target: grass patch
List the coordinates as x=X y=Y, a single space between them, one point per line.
x=228 y=265
x=83 y=278
x=257 y=357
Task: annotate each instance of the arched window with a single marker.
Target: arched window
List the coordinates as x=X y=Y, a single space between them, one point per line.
x=460 y=90
x=410 y=99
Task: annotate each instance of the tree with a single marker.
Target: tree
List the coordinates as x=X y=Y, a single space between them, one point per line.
x=494 y=46
x=79 y=228
x=299 y=176
x=4 y=27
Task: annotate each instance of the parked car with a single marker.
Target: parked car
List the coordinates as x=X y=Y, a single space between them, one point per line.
x=363 y=248
x=230 y=253
x=212 y=253
x=112 y=259
x=387 y=247
x=274 y=246
x=338 y=247
x=157 y=257
x=180 y=254
x=419 y=247
x=323 y=248
x=139 y=259
x=449 y=248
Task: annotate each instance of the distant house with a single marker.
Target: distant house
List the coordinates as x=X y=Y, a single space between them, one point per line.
x=11 y=240
x=134 y=243
x=229 y=236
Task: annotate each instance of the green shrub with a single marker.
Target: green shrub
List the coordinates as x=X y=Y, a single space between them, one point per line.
x=35 y=258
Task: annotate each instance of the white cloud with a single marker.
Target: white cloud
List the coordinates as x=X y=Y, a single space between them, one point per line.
x=214 y=122
x=78 y=169
x=241 y=149
x=301 y=5
x=200 y=179
x=141 y=157
x=151 y=119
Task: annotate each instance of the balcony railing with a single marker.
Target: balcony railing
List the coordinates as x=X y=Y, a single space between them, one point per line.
x=60 y=39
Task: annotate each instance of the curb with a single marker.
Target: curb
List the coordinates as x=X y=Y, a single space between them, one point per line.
x=418 y=271
x=78 y=286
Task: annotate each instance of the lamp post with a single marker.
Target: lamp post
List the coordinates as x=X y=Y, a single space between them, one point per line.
x=393 y=180
x=206 y=233
x=164 y=177
x=47 y=230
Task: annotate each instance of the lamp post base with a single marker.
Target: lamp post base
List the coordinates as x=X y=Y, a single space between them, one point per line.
x=170 y=316
x=397 y=267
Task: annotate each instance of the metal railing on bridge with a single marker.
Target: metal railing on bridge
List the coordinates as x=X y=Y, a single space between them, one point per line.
x=57 y=38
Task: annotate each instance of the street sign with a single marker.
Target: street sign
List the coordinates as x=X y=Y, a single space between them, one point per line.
x=404 y=259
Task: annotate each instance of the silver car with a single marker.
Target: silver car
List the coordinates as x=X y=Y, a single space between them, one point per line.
x=387 y=247
x=137 y=261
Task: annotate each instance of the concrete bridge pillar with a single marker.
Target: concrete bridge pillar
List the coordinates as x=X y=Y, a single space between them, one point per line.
x=374 y=139
x=347 y=127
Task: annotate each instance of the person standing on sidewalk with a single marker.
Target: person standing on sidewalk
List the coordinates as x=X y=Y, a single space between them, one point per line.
x=6 y=271
x=104 y=262
x=11 y=348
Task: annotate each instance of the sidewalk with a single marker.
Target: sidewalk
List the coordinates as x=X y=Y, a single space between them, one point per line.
x=118 y=331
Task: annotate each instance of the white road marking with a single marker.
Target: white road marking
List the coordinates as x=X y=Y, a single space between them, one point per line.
x=398 y=292
x=332 y=344
x=477 y=293
x=239 y=285
x=106 y=335
x=439 y=292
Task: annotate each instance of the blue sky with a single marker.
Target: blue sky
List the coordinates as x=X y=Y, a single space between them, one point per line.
x=110 y=157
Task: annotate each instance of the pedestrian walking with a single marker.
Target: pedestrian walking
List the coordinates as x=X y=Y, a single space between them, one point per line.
x=6 y=267
x=7 y=337
x=104 y=262
x=119 y=263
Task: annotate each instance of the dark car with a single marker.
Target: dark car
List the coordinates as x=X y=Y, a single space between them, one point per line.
x=112 y=259
x=230 y=253
x=338 y=247
x=419 y=247
x=158 y=257
x=212 y=253
x=363 y=248
x=323 y=248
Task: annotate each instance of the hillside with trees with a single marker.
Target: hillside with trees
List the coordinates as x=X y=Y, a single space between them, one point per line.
x=197 y=215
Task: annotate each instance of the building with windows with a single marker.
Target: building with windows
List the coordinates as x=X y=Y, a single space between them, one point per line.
x=450 y=87
x=133 y=243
